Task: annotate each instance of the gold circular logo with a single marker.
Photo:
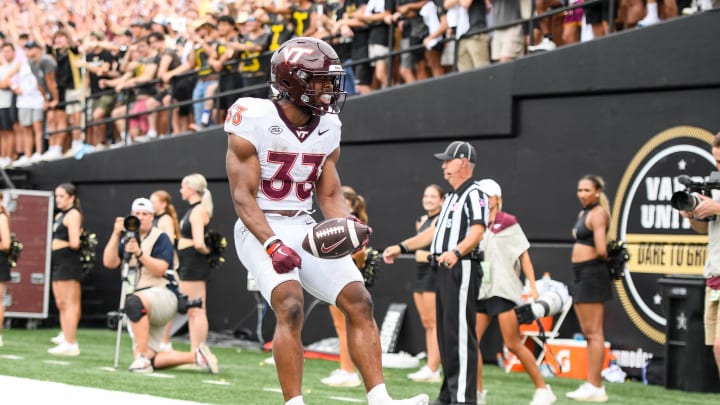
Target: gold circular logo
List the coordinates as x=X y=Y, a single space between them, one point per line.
x=660 y=241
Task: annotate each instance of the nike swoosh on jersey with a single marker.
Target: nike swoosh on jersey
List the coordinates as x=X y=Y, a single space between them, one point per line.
x=322 y=132
x=328 y=249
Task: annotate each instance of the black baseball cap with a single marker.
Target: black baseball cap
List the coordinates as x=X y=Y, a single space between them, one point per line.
x=226 y=19
x=458 y=150
x=31 y=44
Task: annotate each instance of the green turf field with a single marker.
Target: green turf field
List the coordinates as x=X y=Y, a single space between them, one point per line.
x=245 y=379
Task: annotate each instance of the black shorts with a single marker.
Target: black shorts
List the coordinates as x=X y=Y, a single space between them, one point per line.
x=181 y=89
x=597 y=13
x=4 y=269
x=193 y=265
x=592 y=282
x=7 y=119
x=426 y=280
x=494 y=306
x=66 y=265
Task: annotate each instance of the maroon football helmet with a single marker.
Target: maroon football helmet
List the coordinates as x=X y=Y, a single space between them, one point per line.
x=301 y=61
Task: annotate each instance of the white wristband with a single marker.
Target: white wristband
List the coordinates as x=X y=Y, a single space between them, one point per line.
x=270 y=241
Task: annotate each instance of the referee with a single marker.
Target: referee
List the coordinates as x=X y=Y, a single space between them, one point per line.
x=456 y=259
x=458 y=232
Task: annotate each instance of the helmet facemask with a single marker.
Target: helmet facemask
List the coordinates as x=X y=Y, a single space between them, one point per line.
x=324 y=92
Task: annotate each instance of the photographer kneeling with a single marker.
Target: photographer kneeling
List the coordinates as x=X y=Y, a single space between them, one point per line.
x=151 y=304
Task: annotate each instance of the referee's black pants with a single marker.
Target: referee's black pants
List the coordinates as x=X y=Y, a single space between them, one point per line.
x=456 y=301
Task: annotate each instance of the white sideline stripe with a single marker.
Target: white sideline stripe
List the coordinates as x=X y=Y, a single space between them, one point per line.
x=10 y=357
x=217 y=382
x=272 y=389
x=33 y=391
x=57 y=362
x=346 y=399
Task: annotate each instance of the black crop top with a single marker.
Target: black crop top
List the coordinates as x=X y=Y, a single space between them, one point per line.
x=581 y=233
x=60 y=231
x=185 y=227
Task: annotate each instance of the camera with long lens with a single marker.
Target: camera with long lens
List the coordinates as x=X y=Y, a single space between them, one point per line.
x=131 y=224
x=552 y=298
x=687 y=200
x=183 y=302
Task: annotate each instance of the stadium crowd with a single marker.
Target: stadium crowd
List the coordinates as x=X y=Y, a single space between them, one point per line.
x=78 y=76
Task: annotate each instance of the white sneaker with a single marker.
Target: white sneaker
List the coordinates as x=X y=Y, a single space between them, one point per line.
x=588 y=393
x=426 y=375
x=648 y=21
x=342 y=378
x=58 y=339
x=270 y=361
x=543 y=396
x=482 y=397
x=141 y=364
x=5 y=162
x=65 y=349
x=165 y=347
x=21 y=161
x=545 y=45
x=205 y=359
x=1 y=342
x=36 y=157
x=421 y=399
x=51 y=154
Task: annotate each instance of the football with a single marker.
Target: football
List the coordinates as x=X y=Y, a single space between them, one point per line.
x=335 y=237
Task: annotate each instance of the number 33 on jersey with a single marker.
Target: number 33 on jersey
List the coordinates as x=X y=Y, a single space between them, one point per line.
x=291 y=157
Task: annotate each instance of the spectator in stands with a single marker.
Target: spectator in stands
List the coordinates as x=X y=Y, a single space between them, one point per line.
x=649 y=12
x=230 y=78
x=572 y=24
x=545 y=42
x=7 y=114
x=350 y=25
x=472 y=44
x=255 y=58
x=30 y=102
x=414 y=31
x=434 y=18
x=205 y=49
x=70 y=87
x=300 y=14
x=43 y=67
x=97 y=64
x=376 y=15
x=140 y=81
x=169 y=60
x=507 y=43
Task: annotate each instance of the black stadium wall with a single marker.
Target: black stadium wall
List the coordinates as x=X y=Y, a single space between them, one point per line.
x=538 y=123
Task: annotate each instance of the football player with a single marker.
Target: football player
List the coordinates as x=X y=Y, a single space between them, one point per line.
x=281 y=151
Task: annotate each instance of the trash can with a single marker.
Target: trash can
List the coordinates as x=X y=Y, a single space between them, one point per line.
x=689 y=363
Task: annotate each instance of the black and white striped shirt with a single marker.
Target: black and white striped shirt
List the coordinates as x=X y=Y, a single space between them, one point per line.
x=462 y=208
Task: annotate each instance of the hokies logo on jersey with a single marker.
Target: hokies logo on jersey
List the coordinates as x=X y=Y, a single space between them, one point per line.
x=660 y=241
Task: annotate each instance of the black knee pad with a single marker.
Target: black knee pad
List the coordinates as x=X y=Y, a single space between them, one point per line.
x=134 y=308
